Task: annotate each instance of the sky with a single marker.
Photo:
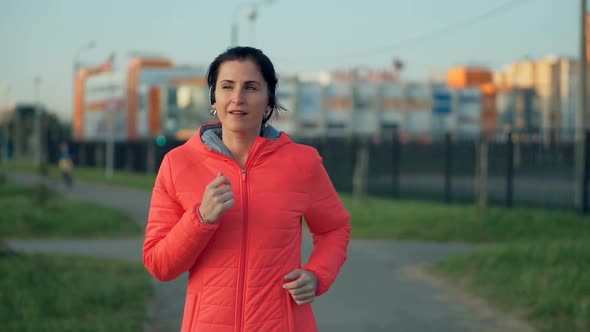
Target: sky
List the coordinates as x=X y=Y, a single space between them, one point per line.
x=43 y=38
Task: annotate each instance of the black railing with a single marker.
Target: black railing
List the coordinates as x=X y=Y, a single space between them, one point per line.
x=521 y=171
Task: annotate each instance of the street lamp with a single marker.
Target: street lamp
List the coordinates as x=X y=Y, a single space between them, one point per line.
x=37 y=122
x=234 y=25
x=6 y=108
x=111 y=113
x=581 y=155
x=251 y=13
x=90 y=45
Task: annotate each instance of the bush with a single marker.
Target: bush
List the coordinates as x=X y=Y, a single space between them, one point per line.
x=44 y=195
x=44 y=169
x=4 y=249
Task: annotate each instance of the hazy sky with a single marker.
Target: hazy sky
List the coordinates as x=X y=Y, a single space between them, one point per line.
x=42 y=37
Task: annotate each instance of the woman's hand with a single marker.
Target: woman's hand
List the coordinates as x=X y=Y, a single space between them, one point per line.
x=303 y=288
x=217 y=198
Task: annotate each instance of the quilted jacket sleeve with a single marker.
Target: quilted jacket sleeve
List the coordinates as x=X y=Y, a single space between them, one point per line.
x=329 y=223
x=174 y=237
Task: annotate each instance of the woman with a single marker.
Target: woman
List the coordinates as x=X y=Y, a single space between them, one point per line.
x=227 y=207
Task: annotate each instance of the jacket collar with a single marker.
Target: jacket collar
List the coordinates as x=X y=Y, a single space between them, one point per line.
x=208 y=139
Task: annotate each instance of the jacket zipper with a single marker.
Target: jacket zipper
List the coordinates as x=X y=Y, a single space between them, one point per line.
x=242 y=271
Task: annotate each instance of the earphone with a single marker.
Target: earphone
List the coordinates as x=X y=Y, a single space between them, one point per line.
x=211 y=95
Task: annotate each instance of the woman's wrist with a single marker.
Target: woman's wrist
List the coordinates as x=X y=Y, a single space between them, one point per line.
x=202 y=217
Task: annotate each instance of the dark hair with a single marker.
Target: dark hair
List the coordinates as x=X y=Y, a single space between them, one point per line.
x=241 y=53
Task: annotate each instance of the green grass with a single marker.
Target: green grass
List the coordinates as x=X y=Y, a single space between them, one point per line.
x=120 y=178
x=537 y=263
x=546 y=282
x=46 y=293
x=378 y=218
x=23 y=216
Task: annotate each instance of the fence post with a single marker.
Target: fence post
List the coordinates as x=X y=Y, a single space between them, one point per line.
x=586 y=174
x=99 y=154
x=483 y=173
x=509 y=170
x=151 y=156
x=395 y=167
x=82 y=153
x=317 y=142
x=361 y=169
x=18 y=134
x=130 y=156
x=448 y=168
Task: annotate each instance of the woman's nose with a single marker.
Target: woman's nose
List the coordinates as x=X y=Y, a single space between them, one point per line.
x=238 y=96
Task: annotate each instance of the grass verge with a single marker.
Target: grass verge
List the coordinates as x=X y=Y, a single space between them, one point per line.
x=378 y=218
x=47 y=293
x=120 y=178
x=548 y=283
x=535 y=267
x=23 y=216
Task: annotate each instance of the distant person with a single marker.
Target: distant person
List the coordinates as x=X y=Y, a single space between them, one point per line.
x=227 y=207
x=66 y=165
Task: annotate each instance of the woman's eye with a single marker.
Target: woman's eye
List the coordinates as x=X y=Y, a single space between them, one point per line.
x=226 y=87
x=251 y=88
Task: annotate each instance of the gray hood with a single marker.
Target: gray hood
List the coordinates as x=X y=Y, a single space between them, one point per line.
x=211 y=136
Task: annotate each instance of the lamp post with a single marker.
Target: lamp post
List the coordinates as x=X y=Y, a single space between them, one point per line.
x=234 y=26
x=252 y=14
x=37 y=122
x=6 y=107
x=90 y=45
x=581 y=153
x=111 y=113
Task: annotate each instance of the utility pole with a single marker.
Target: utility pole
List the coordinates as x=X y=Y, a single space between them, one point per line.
x=252 y=15
x=235 y=25
x=482 y=171
x=18 y=134
x=37 y=123
x=110 y=144
x=5 y=122
x=580 y=141
x=111 y=113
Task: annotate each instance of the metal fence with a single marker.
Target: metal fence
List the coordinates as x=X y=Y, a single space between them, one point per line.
x=520 y=172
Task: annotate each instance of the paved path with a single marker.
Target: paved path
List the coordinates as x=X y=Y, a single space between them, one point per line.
x=374 y=291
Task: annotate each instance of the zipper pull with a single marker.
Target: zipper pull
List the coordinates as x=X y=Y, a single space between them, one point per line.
x=243 y=174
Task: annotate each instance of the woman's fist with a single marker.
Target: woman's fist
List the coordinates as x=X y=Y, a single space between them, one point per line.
x=217 y=198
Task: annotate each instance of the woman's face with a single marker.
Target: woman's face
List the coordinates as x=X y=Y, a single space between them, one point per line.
x=241 y=96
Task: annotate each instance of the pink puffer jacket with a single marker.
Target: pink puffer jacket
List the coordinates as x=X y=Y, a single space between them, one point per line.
x=237 y=266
